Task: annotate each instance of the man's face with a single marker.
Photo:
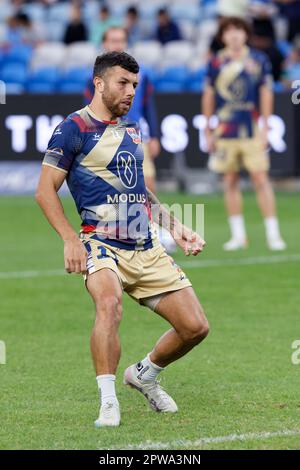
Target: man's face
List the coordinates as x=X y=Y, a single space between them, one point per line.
x=234 y=38
x=163 y=19
x=118 y=89
x=115 y=41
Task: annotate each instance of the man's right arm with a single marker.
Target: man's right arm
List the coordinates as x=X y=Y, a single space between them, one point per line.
x=208 y=108
x=50 y=181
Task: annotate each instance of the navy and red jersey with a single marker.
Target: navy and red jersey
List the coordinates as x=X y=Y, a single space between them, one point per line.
x=103 y=161
x=236 y=84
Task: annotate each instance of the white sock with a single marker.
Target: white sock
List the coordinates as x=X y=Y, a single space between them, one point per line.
x=106 y=385
x=272 y=227
x=147 y=370
x=237 y=227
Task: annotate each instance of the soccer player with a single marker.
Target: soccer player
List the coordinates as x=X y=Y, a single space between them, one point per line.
x=100 y=155
x=238 y=88
x=142 y=111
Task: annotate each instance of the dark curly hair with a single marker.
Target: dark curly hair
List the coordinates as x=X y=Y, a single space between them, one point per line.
x=112 y=59
x=238 y=23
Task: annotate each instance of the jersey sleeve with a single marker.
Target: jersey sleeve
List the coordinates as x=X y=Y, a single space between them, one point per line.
x=63 y=146
x=211 y=73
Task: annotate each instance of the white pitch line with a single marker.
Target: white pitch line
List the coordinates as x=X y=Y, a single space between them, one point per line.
x=210 y=440
x=28 y=274
x=197 y=263
x=192 y=264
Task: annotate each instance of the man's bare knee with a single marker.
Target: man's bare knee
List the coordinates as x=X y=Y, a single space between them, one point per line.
x=231 y=181
x=109 y=308
x=196 y=331
x=260 y=181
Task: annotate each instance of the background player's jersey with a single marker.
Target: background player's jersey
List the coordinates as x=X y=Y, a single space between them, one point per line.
x=103 y=161
x=143 y=107
x=236 y=84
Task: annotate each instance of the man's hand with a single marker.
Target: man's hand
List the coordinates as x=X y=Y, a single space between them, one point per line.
x=210 y=140
x=75 y=256
x=264 y=138
x=190 y=242
x=154 y=147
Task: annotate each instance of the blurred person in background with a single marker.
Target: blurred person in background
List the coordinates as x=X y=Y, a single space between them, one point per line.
x=238 y=89
x=21 y=30
x=143 y=110
x=263 y=39
x=133 y=27
x=292 y=65
x=167 y=30
x=216 y=44
x=261 y=12
x=76 y=29
x=237 y=8
x=104 y=22
x=290 y=9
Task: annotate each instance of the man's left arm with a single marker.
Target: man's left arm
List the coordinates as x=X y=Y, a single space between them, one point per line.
x=266 y=98
x=188 y=240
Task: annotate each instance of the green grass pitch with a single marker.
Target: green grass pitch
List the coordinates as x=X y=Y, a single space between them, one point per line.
x=240 y=380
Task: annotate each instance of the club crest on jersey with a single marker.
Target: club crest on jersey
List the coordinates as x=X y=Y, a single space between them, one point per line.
x=97 y=137
x=134 y=134
x=126 y=164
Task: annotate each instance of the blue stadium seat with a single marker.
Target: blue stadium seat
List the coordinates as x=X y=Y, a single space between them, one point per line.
x=14 y=73
x=78 y=75
x=6 y=10
x=195 y=86
x=59 y=12
x=284 y=46
x=71 y=87
x=184 y=11
x=55 y=30
x=49 y=75
x=35 y=11
x=90 y=11
x=40 y=87
x=176 y=74
x=278 y=87
x=172 y=79
x=14 y=89
x=148 y=10
x=21 y=53
x=293 y=72
x=166 y=86
x=195 y=81
x=152 y=73
x=198 y=74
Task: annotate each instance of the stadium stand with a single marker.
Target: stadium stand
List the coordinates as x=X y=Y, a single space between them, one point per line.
x=34 y=59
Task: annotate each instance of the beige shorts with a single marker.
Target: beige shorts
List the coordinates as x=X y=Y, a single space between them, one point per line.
x=148 y=165
x=235 y=154
x=142 y=274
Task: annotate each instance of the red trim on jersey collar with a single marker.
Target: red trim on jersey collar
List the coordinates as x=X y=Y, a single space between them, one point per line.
x=109 y=122
x=93 y=115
